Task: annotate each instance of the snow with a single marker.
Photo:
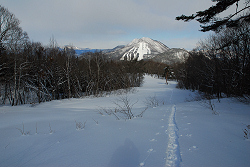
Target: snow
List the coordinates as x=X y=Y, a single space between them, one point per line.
x=140 y=47
x=173 y=132
x=173 y=157
x=139 y=50
x=214 y=140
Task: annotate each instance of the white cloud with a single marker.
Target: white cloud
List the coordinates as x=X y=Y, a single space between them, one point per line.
x=79 y=21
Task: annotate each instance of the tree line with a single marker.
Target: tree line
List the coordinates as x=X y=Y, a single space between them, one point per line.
x=220 y=64
x=38 y=74
x=33 y=73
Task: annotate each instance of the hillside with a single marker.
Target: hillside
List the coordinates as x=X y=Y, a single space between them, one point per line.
x=173 y=55
x=174 y=130
x=146 y=48
x=139 y=49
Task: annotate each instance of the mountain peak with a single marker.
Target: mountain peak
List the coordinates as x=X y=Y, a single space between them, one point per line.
x=142 y=39
x=147 y=48
x=141 y=48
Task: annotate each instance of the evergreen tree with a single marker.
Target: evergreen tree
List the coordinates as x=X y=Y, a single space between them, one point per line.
x=209 y=20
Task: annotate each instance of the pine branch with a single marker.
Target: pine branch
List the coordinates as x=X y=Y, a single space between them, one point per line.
x=227 y=21
x=215 y=24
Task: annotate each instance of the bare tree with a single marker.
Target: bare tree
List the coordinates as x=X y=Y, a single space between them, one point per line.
x=9 y=28
x=221 y=63
x=12 y=39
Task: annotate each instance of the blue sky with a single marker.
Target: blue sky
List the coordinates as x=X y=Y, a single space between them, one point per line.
x=104 y=24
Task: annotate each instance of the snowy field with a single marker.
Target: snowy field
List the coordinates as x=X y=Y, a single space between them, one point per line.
x=173 y=131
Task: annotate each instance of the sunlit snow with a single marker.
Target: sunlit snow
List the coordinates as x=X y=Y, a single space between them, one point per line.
x=139 y=48
x=77 y=132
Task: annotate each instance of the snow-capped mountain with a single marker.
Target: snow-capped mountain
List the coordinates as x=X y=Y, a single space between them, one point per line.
x=139 y=49
x=147 y=48
x=74 y=47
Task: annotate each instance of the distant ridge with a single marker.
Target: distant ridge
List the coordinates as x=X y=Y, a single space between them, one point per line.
x=147 y=48
x=139 y=49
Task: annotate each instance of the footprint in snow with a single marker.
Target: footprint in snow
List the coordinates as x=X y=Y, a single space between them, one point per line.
x=153 y=140
x=150 y=150
x=142 y=164
x=193 y=148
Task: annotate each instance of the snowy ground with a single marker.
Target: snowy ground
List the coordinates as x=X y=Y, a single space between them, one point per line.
x=173 y=133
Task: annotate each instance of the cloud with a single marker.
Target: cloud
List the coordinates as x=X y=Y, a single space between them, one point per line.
x=79 y=21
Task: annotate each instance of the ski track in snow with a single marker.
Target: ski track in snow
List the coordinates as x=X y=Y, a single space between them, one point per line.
x=173 y=156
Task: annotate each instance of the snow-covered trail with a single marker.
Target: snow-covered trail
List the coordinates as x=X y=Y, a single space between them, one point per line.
x=173 y=157
x=172 y=133
x=51 y=138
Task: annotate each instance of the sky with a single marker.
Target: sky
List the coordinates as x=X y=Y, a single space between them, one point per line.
x=104 y=24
